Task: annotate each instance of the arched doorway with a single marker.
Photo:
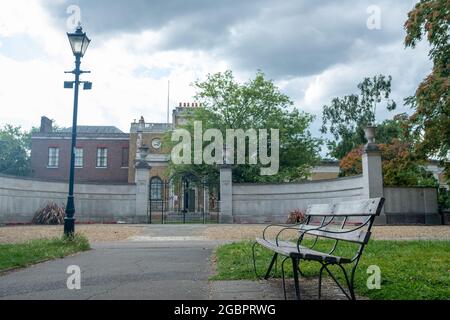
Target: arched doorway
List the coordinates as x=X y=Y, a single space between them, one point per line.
x=183 y=198
x=156 y=188
x=157 y=199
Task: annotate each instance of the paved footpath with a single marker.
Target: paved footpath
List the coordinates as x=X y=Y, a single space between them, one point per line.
x=140 y=270
x=164 y=263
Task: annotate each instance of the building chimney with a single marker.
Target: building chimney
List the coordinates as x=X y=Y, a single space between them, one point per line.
x=46 y=125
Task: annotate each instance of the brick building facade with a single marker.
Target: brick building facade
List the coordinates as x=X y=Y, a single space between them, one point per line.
x=165 y=191
x=108 y=155
x=102 y=154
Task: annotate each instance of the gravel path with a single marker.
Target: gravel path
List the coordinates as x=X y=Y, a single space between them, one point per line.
x=95 y=233
x=108 y=233
x=243 y=232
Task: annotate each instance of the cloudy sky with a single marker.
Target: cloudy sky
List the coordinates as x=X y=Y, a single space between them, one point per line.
x=313 y=50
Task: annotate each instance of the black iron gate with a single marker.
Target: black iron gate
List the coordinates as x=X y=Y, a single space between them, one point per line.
x=181 y=202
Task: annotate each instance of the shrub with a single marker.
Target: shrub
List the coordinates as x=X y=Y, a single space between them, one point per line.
x=50 y=214
x=296 y=216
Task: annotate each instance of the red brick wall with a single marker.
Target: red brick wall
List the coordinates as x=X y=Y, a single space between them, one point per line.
x=89 y=173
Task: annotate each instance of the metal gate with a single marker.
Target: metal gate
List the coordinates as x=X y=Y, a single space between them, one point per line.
x=182 y=202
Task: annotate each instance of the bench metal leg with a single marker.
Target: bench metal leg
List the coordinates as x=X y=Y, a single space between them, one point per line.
x=274 y=259
x=320 y=281
x=352 y=280
x=254 y=260
x=272 y=263
x=295 y=263
x=350 y=296
x=300 y=271
x=283 y=277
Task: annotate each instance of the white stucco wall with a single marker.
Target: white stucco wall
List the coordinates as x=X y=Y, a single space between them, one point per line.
x=20 y=198
x=263 y=203
x=411 y=205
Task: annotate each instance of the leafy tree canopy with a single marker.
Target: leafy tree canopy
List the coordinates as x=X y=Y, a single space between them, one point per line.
x=345 y=118
x=14 y=151
x=431 y=104
x=400 y=168
x=256 y=104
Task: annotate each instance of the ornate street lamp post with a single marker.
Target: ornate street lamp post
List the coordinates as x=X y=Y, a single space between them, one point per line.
x=79 y=43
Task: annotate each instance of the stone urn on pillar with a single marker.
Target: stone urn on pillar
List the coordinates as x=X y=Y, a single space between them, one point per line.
x=143 y=152
x=141 y=161
x=370 y=136
x=142 y=173
x=372 y=170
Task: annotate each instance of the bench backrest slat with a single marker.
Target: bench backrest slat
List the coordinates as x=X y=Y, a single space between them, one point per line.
x=361 y=236
x=368 y=207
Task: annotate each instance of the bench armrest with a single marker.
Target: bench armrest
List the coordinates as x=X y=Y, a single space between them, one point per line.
x=304 y=232
x=288 y=226
x=284 y=229
x=297 y=227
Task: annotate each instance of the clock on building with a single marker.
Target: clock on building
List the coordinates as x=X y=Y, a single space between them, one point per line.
x=156 y=143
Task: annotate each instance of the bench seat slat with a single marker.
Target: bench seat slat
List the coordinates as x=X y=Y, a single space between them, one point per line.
x=367 y=207
x=289 y=249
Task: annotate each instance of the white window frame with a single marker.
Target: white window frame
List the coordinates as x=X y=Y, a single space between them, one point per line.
x=53 y=158
x=126 y=160
x=79 y=157
x=102 y=159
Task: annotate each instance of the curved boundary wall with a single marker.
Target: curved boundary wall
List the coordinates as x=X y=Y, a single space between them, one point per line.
x=272 y=203
x=20 y=198
x=266 y=203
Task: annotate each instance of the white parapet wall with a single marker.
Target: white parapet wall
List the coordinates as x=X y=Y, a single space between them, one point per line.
x=411 y=205
x=272 y=203
x=20 y=198
x=268 y=203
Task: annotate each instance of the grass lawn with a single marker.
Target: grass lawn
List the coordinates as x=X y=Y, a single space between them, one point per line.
x=409 y=269
x=28 y=253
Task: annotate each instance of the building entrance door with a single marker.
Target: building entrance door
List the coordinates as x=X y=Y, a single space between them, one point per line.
x=182 y=199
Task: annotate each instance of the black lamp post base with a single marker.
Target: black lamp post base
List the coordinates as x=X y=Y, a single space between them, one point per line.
x=69 y=226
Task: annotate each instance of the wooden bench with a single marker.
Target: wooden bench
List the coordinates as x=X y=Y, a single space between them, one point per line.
x=344 y=222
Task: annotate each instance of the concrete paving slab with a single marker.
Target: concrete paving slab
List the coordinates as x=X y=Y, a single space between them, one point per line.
x=272 y=290
x=170 y=262
x=118 y=271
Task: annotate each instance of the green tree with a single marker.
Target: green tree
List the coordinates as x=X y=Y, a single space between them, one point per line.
x=400 y=168
x=256 y=104
x=345 y=118
x=14 y=151
x=431 y=104
x=396 y=128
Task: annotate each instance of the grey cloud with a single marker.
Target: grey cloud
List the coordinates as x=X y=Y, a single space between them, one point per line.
x=301 y=41
x=283 y=38
x=207 y=17
x=286 y=39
